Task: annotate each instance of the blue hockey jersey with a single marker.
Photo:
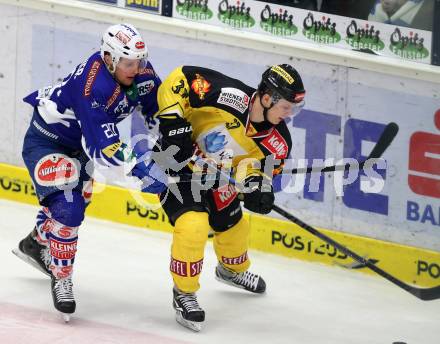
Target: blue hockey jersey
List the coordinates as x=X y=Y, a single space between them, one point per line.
x=83 y=110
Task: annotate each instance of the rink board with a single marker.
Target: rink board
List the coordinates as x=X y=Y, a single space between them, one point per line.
x=410 y=264
x=346 y=109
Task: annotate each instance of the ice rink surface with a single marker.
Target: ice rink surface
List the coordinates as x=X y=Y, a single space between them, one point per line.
x=123 y=292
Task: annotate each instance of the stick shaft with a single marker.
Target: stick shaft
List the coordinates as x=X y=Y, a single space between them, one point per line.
x=382 y=144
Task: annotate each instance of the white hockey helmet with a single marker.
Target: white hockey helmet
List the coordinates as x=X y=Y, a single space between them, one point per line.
x=123 y=40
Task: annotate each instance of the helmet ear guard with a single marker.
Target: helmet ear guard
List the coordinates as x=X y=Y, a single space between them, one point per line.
x=122 y=40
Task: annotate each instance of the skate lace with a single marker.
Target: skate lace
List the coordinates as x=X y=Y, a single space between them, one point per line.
x=45 y=257
x=63 y=290
x=189 y=302
x=247 y=279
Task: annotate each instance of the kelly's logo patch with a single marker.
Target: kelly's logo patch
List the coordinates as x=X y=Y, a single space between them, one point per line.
x=276 y=144
x=224 y=196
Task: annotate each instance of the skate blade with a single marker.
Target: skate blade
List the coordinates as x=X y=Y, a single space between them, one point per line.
x=29 y=260
x=232 y=284
x=192 y=325
x=66 y=317
x=356 y=265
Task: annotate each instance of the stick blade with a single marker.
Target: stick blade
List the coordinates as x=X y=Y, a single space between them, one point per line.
x=385 y=140
x=428 y=294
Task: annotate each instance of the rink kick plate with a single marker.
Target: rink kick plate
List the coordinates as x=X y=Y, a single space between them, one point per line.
x=410 y=264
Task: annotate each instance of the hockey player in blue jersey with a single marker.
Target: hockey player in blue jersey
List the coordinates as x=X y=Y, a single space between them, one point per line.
x=73 y=128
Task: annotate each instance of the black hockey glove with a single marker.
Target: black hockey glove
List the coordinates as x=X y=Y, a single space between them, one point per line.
x=177 y=132
x=258 y=196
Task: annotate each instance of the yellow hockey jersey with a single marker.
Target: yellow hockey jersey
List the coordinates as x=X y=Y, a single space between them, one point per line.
x=217 y=107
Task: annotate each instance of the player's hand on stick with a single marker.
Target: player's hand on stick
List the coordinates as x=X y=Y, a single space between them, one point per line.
x=258 y=194
x=154 y=180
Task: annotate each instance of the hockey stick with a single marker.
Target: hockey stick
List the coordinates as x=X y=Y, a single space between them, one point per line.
x=382 y=144
x=355 y=265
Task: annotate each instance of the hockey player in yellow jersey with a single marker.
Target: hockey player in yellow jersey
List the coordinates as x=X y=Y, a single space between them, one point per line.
x=210 y=115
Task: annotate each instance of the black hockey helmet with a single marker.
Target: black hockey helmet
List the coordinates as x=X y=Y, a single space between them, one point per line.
x=282 y=81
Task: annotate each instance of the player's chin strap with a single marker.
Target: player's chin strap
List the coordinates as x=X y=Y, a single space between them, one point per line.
x=266 y=109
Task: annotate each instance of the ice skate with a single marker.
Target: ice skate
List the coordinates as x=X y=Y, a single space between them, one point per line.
x=188 y=312
x=245 y=280
x=62 y=295
x=33 y=253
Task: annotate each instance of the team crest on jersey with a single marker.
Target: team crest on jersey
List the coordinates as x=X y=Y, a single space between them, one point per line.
x=145 y=87
x=276 y=144
x=122 y=106
x=55 y=170
x=95 y=104
x=219 y=144
x=200 y=86
x=234 y=98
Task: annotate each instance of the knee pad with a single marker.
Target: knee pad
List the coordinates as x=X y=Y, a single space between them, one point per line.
x=68 y=212
x=192 y=227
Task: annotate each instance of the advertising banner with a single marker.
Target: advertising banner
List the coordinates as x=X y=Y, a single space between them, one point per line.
x=152 y=6
x=112 y=2
x=315 y=27
x=144 y=5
